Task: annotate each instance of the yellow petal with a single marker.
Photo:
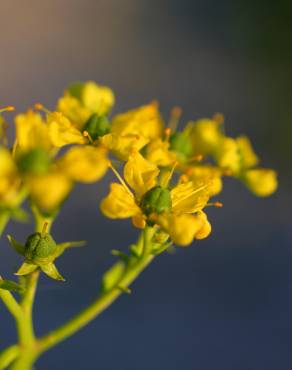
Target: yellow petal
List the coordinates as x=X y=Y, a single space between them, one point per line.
x=49 y=191
x=9 y=179
x=98 y=99
x=123 y=146
x=181 y=228
x=206 y=174
x=206 y=135
x=261 y=181
x=119 y=203
x=227 y=155
x=189 y=197
x=139 y=221
x=72 y=108
x=145 y=121
x=140 y=174
x=62 y=131
x=31 y=131
x=248 y=156
x=84 y=163
x=158 y=153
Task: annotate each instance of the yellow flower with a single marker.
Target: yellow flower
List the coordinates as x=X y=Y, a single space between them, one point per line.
x=98 y=99
x=248 y=156
x=157 y=152
x=206 y=135
x=143 y=121
x=62 y=131
x=84 y=163
x=184 y=228
x=31 y=131
x=149 y=202
x=81 y=100
x=261 y=181
x=72 y=108
x=227 y=155
x=9 y=178
x=49 y=191
x=206 y=174
x=123 y=146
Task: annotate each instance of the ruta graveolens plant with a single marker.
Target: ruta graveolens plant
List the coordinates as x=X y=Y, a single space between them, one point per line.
x=166 y=178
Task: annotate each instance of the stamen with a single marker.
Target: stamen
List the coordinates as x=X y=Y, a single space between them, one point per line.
x=40 y=106
x=219 y=118
x=167 y=133
x=14 y=148
x=86 y=134
x=155 y=103
x=215 y=204
x=198 y=158
x=174 y=118
x=119 y=178
x=9 y=108
x=170 y=174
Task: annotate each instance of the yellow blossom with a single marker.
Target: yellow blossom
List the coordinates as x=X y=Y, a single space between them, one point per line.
x=123 y=146
x=248 y=156
x=206 y=135
x=49 y=191
x=149 y=202
x=32 y=131
x=143 y=121
x=158 y=153
x=84 y=163
x=73 y=109
x=206 y=174
x=261 y=181
x=227 y=155
x=62 y=131
x=9 y=178
x=98 y=99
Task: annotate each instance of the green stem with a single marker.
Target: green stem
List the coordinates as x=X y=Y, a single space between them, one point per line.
x=10 y=303
x=8 y=355
x=103 y=302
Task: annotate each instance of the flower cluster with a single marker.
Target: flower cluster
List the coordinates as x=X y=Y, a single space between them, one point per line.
x=169 y=175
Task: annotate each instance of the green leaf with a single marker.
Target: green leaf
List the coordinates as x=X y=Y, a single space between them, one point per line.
x=113 y=276
x=51 y=270
x=11 y=286
x=17 y=246
x=26 y=268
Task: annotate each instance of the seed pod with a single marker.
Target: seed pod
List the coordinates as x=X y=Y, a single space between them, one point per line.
x=156 y=200
x=97 y=126
x=40 y=248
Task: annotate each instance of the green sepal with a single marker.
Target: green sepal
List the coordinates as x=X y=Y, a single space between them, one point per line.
x=26 y=268
x=17 y=246
x=51 y=270
x=123 y=256
x=161 y=248
x=11 y=286
x=63 y=246
x=113 y=276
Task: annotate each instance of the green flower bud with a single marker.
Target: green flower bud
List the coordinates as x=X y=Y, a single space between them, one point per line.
x=181 y=144
x=156 y=200
x=40 y=248
x=97 y=126
x=36 y=161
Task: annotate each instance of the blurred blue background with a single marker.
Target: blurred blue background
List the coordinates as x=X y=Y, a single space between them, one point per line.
x=225 y=302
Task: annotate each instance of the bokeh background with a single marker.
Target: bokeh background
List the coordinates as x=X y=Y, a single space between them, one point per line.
x=224 y=303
